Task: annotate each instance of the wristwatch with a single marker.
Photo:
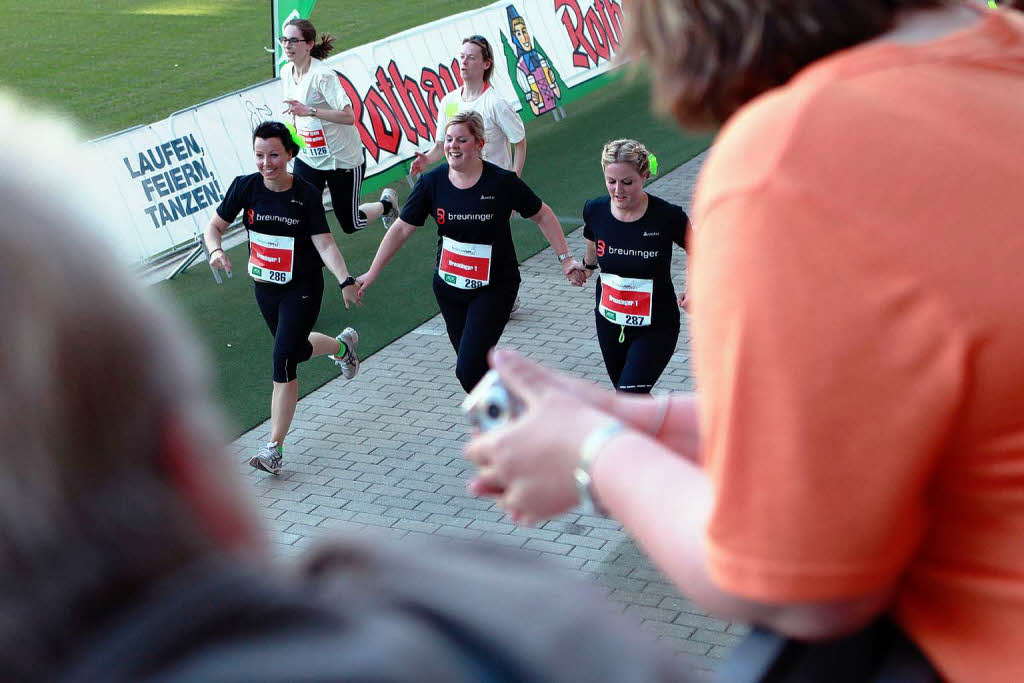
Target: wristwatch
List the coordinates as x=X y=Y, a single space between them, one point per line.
x=346 y=282
x=589 y=266
x=312 y=111
x=563 y=257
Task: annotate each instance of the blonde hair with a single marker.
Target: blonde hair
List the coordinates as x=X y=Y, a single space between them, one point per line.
x=471 y=119
x=627 y=151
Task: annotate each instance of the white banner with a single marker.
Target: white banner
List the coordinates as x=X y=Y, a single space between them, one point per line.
x=171 y=174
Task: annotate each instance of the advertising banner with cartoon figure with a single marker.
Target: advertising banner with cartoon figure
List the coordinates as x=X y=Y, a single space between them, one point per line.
x=171 y=174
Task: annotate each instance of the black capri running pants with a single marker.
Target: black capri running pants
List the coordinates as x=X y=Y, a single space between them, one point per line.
x=291 y=313
x=475 y=320
x=344 y=184
x=635 y=364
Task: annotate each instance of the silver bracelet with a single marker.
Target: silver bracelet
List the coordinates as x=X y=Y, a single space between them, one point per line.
x=592 y=445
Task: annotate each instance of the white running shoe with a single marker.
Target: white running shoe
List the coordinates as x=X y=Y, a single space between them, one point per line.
x=268 y=458
x=349 y=363
x=388 y=218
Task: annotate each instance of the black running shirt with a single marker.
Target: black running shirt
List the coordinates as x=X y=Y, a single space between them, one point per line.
x=640 y=249
x=477 y=220
x=280 y=226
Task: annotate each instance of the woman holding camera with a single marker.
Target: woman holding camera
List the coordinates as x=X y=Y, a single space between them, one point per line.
x=477 y=275
x=629 y=235
x=289 y=244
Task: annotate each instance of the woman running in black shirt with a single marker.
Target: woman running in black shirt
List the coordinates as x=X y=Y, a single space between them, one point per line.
x=477 y=275
x=289 y=243
x=629 y=235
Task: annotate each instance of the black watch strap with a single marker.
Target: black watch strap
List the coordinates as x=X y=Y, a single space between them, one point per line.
x=589 y=266
x=347 y=281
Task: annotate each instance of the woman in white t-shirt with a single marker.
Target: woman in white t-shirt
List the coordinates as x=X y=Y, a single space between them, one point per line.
x=502 y=124
x=322 y=113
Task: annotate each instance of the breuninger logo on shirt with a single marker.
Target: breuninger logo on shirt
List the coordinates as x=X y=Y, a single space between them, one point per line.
x=278 y=219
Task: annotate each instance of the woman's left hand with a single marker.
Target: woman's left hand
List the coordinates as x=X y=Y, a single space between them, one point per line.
x=297 y=108
x=527 y=465
x=574 y=271
x=352 y=294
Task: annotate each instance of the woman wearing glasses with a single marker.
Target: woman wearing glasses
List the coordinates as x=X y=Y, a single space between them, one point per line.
x=502 y=125
x=333 y=153
x=477 y=274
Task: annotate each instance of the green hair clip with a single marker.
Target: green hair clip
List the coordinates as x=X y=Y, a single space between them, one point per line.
x=652 y=162
x=296 y=138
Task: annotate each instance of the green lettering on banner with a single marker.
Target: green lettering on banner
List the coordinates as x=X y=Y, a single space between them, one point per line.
x=449 y=278
x=609 y=314
x=257 y=272
x=283 y=12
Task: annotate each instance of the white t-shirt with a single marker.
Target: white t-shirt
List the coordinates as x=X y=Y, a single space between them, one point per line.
x=328 y=145
x=501 y=124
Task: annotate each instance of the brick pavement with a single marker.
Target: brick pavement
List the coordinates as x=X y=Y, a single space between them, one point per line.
x=382 y=453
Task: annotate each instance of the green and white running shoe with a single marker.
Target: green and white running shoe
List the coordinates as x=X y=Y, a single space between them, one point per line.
x=268 y=458
x=349 y=362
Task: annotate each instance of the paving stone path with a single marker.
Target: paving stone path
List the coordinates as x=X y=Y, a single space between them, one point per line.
x=382 y=453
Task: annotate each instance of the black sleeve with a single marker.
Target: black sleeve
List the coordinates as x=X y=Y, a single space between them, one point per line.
x=588 y=232
x=680 y=225
x=315 y=216
x=234 y=200
x=523 y=199
x=420 y=202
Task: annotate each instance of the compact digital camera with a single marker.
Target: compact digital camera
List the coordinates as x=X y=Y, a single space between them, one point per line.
x=490 y=405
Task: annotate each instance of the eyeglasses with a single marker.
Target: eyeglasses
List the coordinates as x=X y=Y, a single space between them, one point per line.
x=291 y=41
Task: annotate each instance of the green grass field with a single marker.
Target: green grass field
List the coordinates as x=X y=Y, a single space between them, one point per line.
x=142 y=60
x=112 y=64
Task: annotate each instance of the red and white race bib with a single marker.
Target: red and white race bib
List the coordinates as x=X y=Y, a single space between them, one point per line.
x=466 y=266
x=271 y=258
x=626 y=300
x=312 y=131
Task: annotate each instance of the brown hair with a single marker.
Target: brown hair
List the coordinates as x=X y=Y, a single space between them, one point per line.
x=471 y=119
x=629 y=152
x=485 y=47
x=321 y=49
x=712 y=56
x=95 y=377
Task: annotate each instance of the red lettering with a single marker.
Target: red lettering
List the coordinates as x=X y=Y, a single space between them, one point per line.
x=582 y=51
x=440 y=216
x=396 y=110
x=357 y=111
x=409 y=91
x=457 y=71
x=612 y=13
x=432 y=88
x=446 y=76
x=597 y=36
x=387 y=134
x=600 y=247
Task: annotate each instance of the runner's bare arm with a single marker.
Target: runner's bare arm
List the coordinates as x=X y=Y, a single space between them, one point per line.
x=421 y=161
x=552 y=229
x=335 y=263
x=394 y=238
x=212 y=237
x=520 y=157
x=342 y=116
x=590 y=255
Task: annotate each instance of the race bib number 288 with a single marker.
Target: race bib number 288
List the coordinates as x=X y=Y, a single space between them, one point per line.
x=465 y=266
